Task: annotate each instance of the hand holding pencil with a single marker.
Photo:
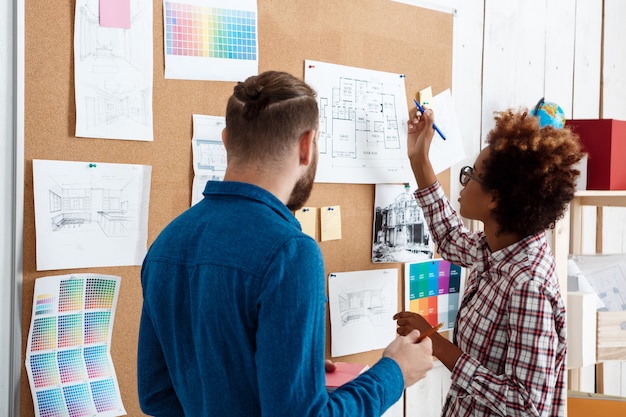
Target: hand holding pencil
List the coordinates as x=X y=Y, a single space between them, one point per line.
x=408 y=321
x=429 y=332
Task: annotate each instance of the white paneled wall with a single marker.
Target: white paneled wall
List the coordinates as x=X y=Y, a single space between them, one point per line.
x=587 y=60
x=559 y=50
x=614 y=61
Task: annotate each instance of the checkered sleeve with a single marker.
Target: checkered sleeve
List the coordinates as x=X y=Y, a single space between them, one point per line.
x=455 y=242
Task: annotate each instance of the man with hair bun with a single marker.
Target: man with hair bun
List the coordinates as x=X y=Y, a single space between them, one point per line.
x=507 y=356
x=234 y=311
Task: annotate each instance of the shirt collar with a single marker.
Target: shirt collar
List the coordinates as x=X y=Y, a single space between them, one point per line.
x=253 y=192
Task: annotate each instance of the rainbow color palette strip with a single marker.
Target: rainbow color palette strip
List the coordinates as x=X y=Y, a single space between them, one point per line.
x=68 y=358
x=433 y=290
x=210 y=39
x=213 y=32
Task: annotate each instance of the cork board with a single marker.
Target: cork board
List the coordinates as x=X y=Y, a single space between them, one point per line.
x=376 y=34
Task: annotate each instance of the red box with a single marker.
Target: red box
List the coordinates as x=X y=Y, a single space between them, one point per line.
x=605 y=142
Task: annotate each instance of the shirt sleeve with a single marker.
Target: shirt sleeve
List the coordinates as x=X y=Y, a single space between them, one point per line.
x=455 y=242
x=155 y=389
x=291 y=344
x=526 y=387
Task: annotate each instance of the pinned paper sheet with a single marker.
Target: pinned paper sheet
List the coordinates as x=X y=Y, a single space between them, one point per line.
x=307 y=217
x=361 y=306
x=331 y=222
x=68 y=359
x=115 y=13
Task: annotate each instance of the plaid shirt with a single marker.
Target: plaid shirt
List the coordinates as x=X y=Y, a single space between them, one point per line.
x=511 y=321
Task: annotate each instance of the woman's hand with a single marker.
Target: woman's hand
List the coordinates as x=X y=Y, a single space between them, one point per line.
x=420 y=136
x=421 y=133
x=408 y=321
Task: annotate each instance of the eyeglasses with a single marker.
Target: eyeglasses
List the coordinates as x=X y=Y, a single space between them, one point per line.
x=467 y=174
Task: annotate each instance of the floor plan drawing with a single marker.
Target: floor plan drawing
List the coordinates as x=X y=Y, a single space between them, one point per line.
x=90 y=214
x=363 y=117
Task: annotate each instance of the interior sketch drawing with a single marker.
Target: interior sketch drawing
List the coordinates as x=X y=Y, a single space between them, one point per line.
x=113 y=74
x=82 y=205
x=363 y=304
x=90 y=214
x=362 y=124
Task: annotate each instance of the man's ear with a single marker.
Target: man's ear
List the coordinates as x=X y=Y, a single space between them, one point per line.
x=307 y=147
x=224 y=138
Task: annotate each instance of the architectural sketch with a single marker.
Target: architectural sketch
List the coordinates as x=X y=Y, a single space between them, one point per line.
x=362 y=305
x=400 y=231
x=367 y=304
x=90 y=214
x=209 y=153
x=363 y=117
x=106 y=202
x=113 y=74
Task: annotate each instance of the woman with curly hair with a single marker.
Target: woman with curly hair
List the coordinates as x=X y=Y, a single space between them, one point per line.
x=507 y=356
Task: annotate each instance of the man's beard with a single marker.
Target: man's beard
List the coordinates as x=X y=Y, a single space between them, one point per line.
x=303 y=187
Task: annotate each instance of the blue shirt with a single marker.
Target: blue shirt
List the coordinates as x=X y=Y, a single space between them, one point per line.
x=233 y=318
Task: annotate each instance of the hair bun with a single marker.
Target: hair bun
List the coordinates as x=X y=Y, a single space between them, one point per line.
x=252 y=96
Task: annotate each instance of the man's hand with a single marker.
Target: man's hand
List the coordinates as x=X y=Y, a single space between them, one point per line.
x=414 y=359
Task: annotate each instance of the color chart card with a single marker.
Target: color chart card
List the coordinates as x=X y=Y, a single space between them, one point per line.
x=210 y=39
x=432 y=289
x=68 y=358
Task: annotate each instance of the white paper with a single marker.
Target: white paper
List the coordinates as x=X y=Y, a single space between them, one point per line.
x=68 y=359
x=445 y=153
x=209 y=154
x=90 y=214
x=113 y=74
x=210 y=39
x=607 y=276
x=400 y=231
x=363 y=124
x=362 y=305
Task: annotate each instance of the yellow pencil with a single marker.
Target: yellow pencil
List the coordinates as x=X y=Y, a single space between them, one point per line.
x=429 y=332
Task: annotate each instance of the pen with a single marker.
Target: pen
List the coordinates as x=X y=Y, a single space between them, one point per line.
x=421 y=109
x=429 y=332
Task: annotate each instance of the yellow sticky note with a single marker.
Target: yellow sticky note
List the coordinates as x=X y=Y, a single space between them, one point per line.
x=425 y=97
x=307 y=216
x=330 y=223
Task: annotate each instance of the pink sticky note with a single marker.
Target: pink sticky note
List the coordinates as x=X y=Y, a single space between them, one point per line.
x=115 y=13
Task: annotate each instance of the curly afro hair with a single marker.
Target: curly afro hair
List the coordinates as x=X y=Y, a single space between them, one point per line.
x=532 y=171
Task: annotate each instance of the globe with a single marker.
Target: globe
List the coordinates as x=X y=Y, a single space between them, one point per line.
x=549 y=114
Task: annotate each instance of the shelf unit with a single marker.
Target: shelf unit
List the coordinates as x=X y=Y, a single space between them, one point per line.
x=569 y=238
